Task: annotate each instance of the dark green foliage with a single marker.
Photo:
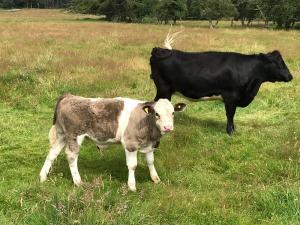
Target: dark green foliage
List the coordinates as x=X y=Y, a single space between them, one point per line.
x=116 y=10
x=283 y=12
x=213 y=10
x=9 y=4
x=6 y=4
x=247 y=10
x=171 y=10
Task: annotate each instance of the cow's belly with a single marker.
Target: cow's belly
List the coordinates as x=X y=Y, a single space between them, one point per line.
x=198 y=94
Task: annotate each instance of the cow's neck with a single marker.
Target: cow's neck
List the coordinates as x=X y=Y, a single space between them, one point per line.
x=250 y=91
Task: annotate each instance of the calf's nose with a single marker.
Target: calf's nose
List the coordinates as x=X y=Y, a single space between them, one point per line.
x=168 y=128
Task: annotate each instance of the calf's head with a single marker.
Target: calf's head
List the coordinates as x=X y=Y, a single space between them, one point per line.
x=163 y=113
x=278 y=71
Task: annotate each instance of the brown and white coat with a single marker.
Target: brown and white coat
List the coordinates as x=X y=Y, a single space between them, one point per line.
x=136 y=124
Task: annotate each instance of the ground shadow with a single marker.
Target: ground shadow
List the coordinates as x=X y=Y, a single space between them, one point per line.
x=107 y=163
x=186 y=120
x=219 y=124
x=88 y=19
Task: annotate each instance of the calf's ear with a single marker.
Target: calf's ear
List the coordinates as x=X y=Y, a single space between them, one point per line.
x=148 y=109
x=179 y=107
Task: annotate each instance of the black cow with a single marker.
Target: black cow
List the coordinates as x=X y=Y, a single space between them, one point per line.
x=234 y=76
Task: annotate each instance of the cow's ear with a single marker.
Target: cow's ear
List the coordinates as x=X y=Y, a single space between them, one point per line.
x=274 y=55
x=179 y=107
x=148 y=109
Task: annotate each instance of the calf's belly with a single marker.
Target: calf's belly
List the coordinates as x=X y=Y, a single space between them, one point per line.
x=97 y=140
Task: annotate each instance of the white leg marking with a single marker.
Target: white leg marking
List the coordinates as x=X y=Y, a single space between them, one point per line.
x=80 y=139
x=150 y=162
x=57 y=146
x=131 y=161
x=72 y=159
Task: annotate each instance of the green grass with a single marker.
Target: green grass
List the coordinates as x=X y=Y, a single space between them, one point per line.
x=208 y=177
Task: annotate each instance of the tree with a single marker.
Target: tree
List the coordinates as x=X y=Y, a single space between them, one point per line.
x=6 y=4
x=282 y=12
x=247 y=10
x=171 y=10
x=213 y=10
x=118 y=10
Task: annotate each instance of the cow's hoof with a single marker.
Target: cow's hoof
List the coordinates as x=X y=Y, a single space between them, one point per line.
x=230 y=131
x=155 y=179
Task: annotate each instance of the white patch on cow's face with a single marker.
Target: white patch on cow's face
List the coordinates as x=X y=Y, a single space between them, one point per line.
x=164 y=113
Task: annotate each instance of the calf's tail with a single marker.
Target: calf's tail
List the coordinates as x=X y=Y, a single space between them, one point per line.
x=52 y=135
x=60 y=98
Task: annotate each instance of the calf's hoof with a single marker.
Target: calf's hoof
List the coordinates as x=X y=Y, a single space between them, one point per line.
x=155 y=179
x=77 y=181
x=43 y=178
x=132 y=187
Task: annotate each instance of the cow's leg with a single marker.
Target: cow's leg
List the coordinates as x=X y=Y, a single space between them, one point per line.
x=131 y=161
x=72 y=152
x=163 y=94
x=57 y=142
x=163 y=89
x=150 y=161
x=230 y=108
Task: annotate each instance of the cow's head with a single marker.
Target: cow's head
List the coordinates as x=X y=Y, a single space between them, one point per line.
x=277 y=70
x=163 y=112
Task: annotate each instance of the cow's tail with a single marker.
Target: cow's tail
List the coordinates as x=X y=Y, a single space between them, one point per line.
x=170 y=39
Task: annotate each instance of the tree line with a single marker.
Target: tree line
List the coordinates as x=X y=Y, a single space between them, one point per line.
x=283 y=13
x=9 y=4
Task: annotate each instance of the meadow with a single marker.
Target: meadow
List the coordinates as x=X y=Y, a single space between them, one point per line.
x=208 y=177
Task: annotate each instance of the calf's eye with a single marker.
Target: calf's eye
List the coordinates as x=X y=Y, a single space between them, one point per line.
x=157 y=115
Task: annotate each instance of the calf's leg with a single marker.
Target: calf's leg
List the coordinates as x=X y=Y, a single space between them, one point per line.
x=150 y=161
x=230 y=111
x=57 y=142
x=72 y=152
x=131 y=161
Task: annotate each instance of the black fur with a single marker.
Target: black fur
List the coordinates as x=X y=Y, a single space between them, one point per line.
x=234 y=76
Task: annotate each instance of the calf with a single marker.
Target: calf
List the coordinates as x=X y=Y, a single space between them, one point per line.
x=137 y=125
x=235 y=77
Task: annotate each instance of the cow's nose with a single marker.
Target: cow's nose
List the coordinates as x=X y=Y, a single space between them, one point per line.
x=168 y=128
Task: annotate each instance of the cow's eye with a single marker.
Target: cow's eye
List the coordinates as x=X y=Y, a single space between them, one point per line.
x=157 y=115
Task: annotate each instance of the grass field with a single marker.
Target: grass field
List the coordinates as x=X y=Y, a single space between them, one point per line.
x=208 y=177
